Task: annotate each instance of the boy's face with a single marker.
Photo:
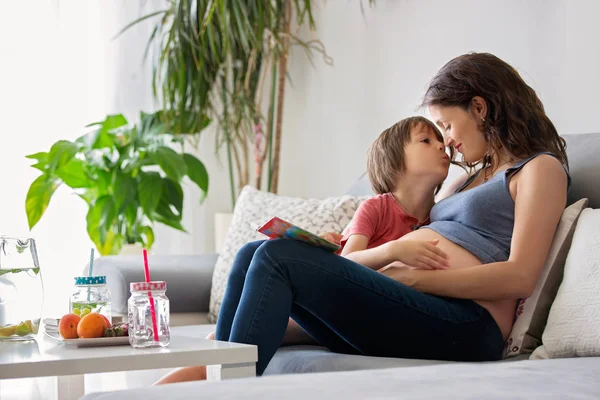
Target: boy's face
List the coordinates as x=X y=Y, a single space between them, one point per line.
x=425 y=155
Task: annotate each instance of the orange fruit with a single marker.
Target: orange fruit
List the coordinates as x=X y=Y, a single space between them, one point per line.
x=67 y=327
x=91 y=326
x=108 y=324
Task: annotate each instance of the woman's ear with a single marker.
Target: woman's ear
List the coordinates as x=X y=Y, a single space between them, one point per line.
x=479 y=108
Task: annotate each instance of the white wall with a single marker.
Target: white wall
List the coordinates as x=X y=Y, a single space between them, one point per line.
x=384 y=60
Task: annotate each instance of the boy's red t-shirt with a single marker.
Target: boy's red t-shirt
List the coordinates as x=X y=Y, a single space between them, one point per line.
x=381 y=219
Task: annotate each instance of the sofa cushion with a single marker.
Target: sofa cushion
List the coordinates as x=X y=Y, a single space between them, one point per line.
x=532 y=313
x=302 y=359
x=573 y=328
x=254 y=208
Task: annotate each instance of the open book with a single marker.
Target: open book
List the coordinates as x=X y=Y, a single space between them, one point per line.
x=276 y=228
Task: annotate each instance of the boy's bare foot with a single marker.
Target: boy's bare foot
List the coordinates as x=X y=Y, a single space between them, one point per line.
x=186 y=374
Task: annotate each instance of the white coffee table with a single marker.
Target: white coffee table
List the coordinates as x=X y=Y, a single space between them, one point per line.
x=46 y=357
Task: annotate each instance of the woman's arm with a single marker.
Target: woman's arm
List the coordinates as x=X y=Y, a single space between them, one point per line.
x=539 y=203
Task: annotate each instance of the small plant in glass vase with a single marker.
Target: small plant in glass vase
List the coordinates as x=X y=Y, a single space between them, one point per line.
x=130 y=177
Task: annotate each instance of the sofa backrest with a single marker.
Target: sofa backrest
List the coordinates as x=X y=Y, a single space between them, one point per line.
x=584 y=161
x=584 y=165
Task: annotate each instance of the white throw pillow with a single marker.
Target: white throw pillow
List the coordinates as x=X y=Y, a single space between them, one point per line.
x=573 y=327
x=253 y=208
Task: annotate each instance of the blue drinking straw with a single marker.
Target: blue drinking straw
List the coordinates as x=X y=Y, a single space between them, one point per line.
x=91 y=261
x=91 y=269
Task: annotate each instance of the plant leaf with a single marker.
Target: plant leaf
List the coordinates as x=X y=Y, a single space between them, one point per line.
x=112 y=244
x=174 y=194
x=198 y=174
x=150 y=191
x=170 y=162
x=164 y=213
x=149 y=234
x=170 y=222
x=100 y=218
x=131 y=213
x=124 y=190
x=104 y=136
x=38 y=198
x=137 y=21
x=42 y=160
x=73 y=174
x=60 y=154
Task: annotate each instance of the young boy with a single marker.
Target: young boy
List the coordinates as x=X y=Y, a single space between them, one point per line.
x=406 y=164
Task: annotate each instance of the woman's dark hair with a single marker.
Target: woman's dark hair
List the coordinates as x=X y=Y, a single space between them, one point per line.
x=515 y=121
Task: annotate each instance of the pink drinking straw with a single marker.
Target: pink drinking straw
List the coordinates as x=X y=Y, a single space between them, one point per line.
x=150 y=298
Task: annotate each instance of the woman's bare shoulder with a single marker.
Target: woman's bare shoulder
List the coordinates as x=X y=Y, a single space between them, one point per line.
x=546 y=168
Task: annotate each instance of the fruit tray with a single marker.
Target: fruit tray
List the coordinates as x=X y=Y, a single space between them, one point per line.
x=95 y=342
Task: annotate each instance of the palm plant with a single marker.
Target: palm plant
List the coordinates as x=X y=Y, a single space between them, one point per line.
x=214 y=60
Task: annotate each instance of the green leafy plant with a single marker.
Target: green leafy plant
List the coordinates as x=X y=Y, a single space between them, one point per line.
x=129 y=175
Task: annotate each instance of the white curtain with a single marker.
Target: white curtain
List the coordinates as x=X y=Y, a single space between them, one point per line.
x=60 y=69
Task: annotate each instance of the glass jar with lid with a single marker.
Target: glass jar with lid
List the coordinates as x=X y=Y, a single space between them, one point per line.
x=148 y=309
x=91 y=296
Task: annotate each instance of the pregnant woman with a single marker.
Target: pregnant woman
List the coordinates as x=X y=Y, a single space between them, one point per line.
x=496 y=226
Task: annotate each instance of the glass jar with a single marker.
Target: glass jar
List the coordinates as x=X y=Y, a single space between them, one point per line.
x=148 y=298
x=91 y=296
x=21 y=289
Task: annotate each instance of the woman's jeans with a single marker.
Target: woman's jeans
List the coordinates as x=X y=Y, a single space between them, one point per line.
x=345 y=307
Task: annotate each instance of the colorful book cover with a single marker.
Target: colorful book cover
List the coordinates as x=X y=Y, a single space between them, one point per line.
x=276 y=228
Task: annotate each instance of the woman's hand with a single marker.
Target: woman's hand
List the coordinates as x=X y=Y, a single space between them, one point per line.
x=419 y=254
x=401 y=273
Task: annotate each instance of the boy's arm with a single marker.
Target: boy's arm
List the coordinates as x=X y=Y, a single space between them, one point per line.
x=356 y=242
x=356 y=250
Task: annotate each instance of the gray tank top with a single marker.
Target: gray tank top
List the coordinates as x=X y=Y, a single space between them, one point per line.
x=481 y=219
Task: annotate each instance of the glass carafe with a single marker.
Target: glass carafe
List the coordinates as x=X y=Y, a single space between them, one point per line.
x=21 y=289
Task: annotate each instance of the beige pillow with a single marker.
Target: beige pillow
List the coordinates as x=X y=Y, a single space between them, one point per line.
x=573 y=328
x=253 y=208
x=532 y=313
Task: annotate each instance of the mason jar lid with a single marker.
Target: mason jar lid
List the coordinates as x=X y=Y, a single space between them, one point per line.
x=90 y=280
x=152 y=285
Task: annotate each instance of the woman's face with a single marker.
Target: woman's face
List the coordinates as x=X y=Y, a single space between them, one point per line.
x=461 y=131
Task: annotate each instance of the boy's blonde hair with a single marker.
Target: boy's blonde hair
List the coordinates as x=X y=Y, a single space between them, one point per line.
x=385 y=159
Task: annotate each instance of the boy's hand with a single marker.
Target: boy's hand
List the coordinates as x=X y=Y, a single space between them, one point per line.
x=332 y=237
x=421 y=254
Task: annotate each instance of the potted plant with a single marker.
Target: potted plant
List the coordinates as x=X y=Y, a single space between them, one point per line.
x=129 y=176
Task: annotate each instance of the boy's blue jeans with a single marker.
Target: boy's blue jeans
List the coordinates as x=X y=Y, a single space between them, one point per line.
x=345 y=307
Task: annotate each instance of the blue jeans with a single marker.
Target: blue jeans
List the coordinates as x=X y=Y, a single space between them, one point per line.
x=345 y=307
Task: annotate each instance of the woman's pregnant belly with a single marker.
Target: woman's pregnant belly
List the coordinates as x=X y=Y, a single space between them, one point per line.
x=502 y=310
